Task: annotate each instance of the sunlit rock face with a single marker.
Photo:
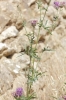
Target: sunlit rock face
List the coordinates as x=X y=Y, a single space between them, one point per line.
x=12 y=12
x=14 y=42
x=8 y=33
x=6 y=78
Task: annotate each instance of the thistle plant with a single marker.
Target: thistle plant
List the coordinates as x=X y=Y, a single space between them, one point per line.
x=18 y=93
x=32 y=74
x=58 y=4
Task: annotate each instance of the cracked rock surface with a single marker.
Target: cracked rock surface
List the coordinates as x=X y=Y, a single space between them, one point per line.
x=13 y=42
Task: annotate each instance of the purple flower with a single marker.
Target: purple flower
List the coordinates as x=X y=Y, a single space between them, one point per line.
x=56 y=4
x=62 y=4
x=64 y=97
x=18 y=92
x=33 y=22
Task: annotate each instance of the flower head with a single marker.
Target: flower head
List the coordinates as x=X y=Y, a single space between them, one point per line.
x=33 y=22
x=56 y=4
x=18 y=92
x=64 y=97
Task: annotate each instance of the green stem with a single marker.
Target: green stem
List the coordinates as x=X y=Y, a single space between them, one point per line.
x=41 y=21
x=33 y=69
x=33 y=58
x=46 y=10
x=38 y=29
x=30 y=67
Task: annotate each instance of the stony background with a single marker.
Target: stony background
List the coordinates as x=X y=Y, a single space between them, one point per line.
x=13 y=43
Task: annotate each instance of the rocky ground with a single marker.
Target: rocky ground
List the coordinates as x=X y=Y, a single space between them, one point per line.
x=13 y=42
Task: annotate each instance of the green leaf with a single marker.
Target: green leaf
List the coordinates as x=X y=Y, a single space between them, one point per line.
x=46 y=49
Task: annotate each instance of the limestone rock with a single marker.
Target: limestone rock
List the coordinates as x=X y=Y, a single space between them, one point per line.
x=9 y=52
x=9 y=32
x=40 y=47
x=63 y=22
x=63 y=12
x=19 y=24
x=3 y=46
x=10 y=65
x=30 y=2
x=60 y=30
x=24 y=32
x=53 y=62
x=10 y=14
x=20 y=81
x=20 y=43
x=5 y=50
x=49 y=13
x=16 y=65
x=1 y=55
x=52 y=41
x=4 y=20
x=63 y=43
x=21 y=58
x=6 y=78
x=7 y=96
